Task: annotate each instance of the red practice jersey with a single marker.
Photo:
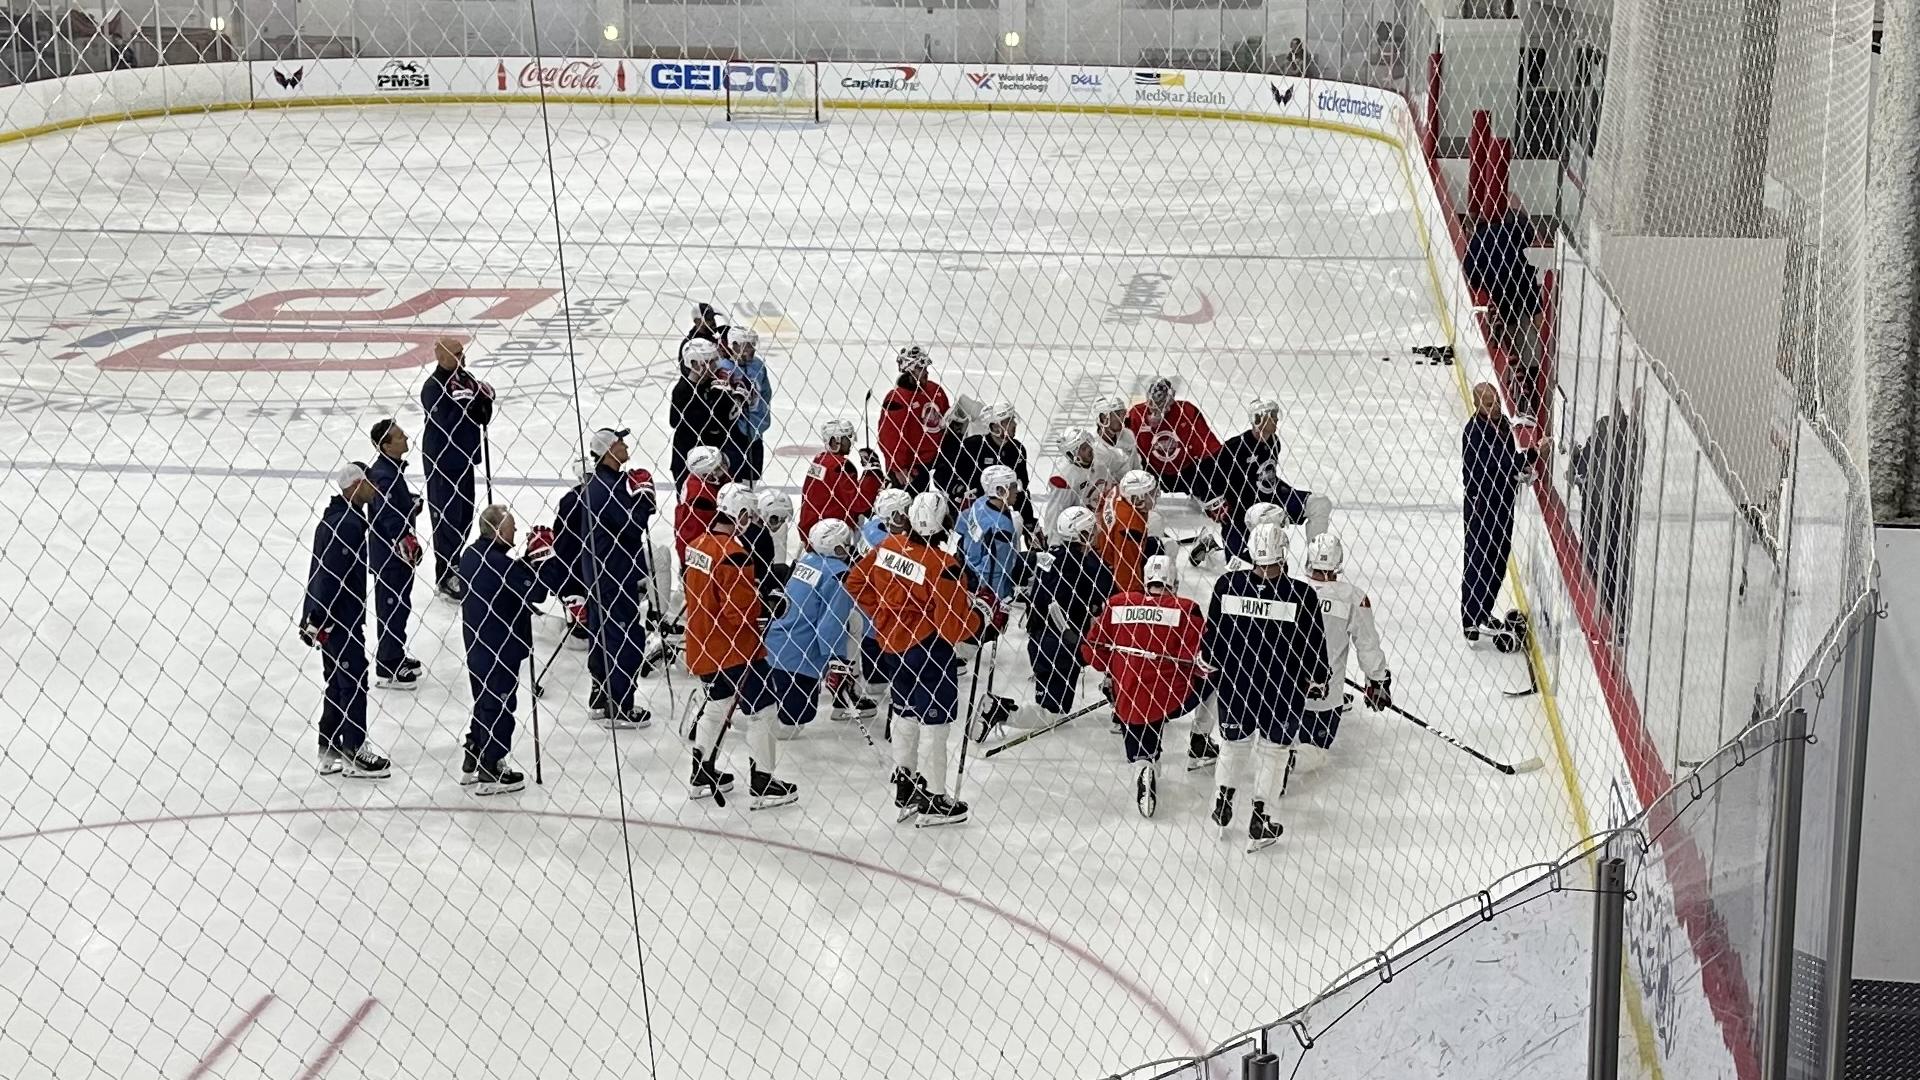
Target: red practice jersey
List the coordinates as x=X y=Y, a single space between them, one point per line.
x=693 y=516
x=834 y=488
x=1176 y=440
x=1147 y=688
x=910 y=425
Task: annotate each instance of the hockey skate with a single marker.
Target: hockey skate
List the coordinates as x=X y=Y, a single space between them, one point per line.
x=1223 y=809
x=1202 y=751
x=413 y=665
x=330 y=761
x=768 y=792
x=1146 y=790
x=632 y=718
x=993 y=712
x=364 y=764
x=469 y=766
x=1203 y=548
x=499 y=780
x=401 y=678
x=906 y=795
x=704 y=780
x=938 y=810
x=1262 y=830
x=850 y=704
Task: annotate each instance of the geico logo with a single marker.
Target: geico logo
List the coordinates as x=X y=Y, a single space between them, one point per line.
x=740 y=78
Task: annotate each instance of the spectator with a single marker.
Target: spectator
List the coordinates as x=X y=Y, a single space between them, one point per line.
x=1607 y=470
x=1496 y=265
x=1298 y=62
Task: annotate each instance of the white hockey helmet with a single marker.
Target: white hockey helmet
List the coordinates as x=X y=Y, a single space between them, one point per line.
x=1073 y=438
x=836 y=429
x=927 y=516
x=1325 y=552
x=743 y=335
x=914 y=358
x=831 y=537
x=775 y=505
x=964 y=412
x=699 y=351
x=999 y=481
x=706 y=462
x=1076 y=525
x=737 y=501
x=997 y=412
x=1138 y=485
x=1267 y=545
x=890 y=506
x=1263 y=512
x=1160 y=393
x=1108 y=404
x=1160 y=571
x=1262 y=406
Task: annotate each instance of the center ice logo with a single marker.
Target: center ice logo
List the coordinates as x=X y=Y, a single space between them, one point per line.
x=1145 y=297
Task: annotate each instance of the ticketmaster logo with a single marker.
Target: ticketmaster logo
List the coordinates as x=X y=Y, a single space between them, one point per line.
x=1332 y=101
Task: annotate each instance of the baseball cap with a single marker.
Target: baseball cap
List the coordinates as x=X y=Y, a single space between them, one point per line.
x=345 y=475
x=603 y=440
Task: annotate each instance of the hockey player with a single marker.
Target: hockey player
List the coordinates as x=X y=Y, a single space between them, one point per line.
x=1070 y=585
x=570 y=548
x=706 y=327
x=1246 y=472
x=459 y=407
x=1148 y=643
x=618 y=509
x=1072 y=482
x=746 y=371
x=725 y=605
x=949 y=472
x=1175 y=442
x=704 y=407
x=394 y=551
x=834 y=487
x=1491 y=470
x=333 y=619
x=776 y=517
x=1115 y=452
x=913 y=416
x=916 y=596
x=808 y=642
x=1127 y=532
x=1265 y=639
x=1346 y=615
x=998 y=444
x=988 y=533
x=706 y=471
x=496 y=626
x=889 y=517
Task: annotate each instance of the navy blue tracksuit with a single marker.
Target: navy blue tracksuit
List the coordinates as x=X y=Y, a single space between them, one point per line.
x=1490 y=468
x=391 y=514
x=496 y=622
x=615 y=568
x=458 y=410
x=1072 y=592
x=337 y=603
x=1266 y=639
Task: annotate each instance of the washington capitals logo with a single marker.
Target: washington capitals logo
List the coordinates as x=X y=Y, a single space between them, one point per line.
x=1282 y=98
x=288 y=80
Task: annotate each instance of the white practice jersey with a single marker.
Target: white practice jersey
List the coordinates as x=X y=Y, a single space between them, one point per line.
x=1113 y=460
x=1069 y=485
x=1347 y=616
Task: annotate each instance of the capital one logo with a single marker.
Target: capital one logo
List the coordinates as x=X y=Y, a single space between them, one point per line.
x=888 y=77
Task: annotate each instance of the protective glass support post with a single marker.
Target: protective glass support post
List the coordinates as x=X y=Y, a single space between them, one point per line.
x=1849 y=799
x=1686 y=622
x=1260 y=1066
x=1609 y=960
x=1784 y=862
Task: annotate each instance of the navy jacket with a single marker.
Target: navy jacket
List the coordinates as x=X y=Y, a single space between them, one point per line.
x=1490 y=467
x=1496 y=263
x=454 y=428
x=614 y=563
x=701 y=414
x=337 y=576
x=1078 y=582
x=392 y=511
x=1247 y=471
x=496 y=615
x=570 y=533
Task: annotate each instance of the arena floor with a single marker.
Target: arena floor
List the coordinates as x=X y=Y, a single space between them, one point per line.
x=183 y=897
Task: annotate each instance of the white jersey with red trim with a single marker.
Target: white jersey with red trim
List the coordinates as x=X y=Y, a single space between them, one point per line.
x=1113 y=460
x=1069 y=485
x=1347 y=617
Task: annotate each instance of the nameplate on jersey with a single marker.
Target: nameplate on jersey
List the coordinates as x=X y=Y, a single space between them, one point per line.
x=901 y=566
x=699 y=560
x=1252 y=607
x=816 y=471
x=1138 y=614
x=808 y=574
x=1336 y=609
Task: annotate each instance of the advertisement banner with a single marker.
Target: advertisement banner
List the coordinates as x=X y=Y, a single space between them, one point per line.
x=1359 y=106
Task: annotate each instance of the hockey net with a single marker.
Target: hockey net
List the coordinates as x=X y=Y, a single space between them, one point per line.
x=774 y=90
x=236 y=248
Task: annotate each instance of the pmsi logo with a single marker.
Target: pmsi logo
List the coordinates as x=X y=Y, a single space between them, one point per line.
x=402 y=75
x=899 y=77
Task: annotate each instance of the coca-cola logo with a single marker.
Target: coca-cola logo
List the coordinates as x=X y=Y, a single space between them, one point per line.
x=572 y=75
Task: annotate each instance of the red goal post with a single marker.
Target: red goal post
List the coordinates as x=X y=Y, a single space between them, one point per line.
x=773 y=90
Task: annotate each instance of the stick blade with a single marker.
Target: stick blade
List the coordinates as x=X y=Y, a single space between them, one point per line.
x=1532 y=764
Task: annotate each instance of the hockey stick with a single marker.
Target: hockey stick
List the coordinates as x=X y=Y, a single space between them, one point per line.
x=1533 y=684
x=534 y=702
x=973 y=700
x=486 y=461
x=1528 y=765
x=1029 y=736
x=866 y=418
x=1144 y=654
x=540 y=677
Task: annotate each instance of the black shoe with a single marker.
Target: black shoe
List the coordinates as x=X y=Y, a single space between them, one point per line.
x=906 y=794
x=1262 y=830
x=1201 y=749
x=705 y=779
x=469 y=766
x=1223 y=807
x=498 y=779
x=768 y=792
x=941 y=810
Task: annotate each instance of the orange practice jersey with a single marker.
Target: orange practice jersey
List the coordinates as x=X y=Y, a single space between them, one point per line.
x=1121 y=541
x=723 y=605
x=912 y=591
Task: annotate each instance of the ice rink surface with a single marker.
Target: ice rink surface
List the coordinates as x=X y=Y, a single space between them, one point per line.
x=183 y=897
